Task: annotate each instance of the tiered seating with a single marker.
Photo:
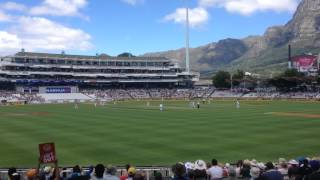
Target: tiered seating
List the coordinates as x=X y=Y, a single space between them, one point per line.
x=64 y=96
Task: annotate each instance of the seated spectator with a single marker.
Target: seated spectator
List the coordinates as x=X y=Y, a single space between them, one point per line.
x=158 y=176
x=231 y=172
x=304 y=169
x=47 y=173
x=255 y=173
x=215 y=172
x=76 y=172
x=13 y=174
x=111 y=173
x=245 y=170
x=271 y=173
x=98 y=172
x=139 y=176
x=293 y=169
x=315 y=165
x=189 y=170
x=179 y=172
x=31 y=174
x=131 y=173
x=124 y=176
x=238 y=168
x=283 y=167
x=200 y=171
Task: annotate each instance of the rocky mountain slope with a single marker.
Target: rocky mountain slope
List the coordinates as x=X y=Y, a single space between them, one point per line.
x=261 y=54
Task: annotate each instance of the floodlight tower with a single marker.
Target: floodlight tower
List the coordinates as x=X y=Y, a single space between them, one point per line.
x=187 y=41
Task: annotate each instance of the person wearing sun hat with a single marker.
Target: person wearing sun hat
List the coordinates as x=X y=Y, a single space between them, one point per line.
x=293 y=170
x=131 y=172
x=189 y=166
x=200 y=172
x=189 y=169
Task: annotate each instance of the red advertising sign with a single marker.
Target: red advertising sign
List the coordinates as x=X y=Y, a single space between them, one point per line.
x=47 y=153
x=305 y=61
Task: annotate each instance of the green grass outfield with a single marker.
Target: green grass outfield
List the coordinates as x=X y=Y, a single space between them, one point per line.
x=131 y=132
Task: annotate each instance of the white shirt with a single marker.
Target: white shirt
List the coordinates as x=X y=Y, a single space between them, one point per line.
x=215 y=172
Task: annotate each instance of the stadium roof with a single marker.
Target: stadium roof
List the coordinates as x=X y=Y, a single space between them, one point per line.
x=85 y=57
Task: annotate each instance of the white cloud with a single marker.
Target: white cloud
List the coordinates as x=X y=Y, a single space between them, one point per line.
x=40 y=33
x=59 y=8
x=13 y=6
x=4 y=17
x=247 y=7
x=133 y=2
x=197 y=16
x=9 y=43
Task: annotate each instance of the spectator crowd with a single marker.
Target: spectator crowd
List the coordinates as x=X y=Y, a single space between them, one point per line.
x=295 y=169
x=201 y=92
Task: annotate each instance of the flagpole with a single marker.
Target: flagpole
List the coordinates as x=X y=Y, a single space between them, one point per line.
x=187 y=40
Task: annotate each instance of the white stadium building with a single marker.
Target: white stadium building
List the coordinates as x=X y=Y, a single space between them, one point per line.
x=30 y=70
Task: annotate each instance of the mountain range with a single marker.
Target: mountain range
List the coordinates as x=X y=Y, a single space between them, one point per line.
x=263 y=54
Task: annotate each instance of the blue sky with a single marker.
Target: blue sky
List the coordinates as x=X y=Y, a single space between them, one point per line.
x=136 y=26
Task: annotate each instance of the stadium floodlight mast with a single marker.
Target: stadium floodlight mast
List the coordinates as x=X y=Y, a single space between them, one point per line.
x=187 y=39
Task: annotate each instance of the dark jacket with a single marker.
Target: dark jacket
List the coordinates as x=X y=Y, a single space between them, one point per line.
x=272 y=175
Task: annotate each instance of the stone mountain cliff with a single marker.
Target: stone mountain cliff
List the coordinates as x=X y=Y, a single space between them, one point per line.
x=260 y=54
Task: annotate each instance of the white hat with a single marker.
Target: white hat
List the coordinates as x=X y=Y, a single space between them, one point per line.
x=294 y=162
x=261 y=166
x=227 y=165
x=47 y=169
x=247 y=162
x=200 y=165
x=189 y=165
x=282 y=161
x=253 y=162
x=254 y=172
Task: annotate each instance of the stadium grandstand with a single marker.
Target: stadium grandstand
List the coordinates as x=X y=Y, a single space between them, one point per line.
x=44 y=74
x=36 y=69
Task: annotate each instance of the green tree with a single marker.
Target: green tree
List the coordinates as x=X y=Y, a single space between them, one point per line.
x=238 y=77
x=221 y=79
x=288 y=80
x=126 y=54
x=292 y=73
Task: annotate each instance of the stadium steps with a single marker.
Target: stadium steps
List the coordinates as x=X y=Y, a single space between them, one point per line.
x=148 y=91
x=211 y=93
x=91 y=97
x=129 y=94
x=245 y=93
